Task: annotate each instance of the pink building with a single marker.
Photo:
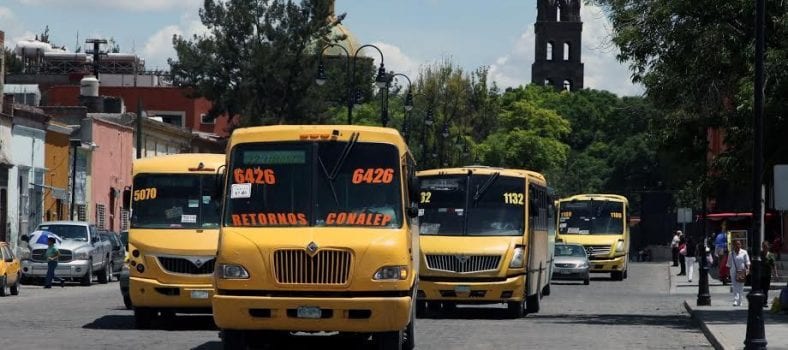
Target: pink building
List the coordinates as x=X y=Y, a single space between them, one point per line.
x=110 y=171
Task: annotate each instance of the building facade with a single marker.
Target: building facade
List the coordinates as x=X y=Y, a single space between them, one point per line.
x=558 y=43
x=58 y=162
x=110 y=172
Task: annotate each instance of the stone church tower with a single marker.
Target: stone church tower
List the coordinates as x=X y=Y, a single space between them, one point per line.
x=558 y=45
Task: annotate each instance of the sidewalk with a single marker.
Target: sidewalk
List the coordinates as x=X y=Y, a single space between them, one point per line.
x=723 y=324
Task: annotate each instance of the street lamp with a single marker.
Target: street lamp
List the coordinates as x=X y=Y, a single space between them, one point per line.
x=408 y=106
x=381 y=80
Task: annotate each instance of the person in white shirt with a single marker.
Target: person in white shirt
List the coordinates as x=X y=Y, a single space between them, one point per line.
x=674 y=248
x=738 y=262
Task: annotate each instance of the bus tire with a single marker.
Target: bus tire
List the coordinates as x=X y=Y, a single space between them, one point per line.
x=532 y=304
x=617 y=275
x=516 y=309
x=409 y=343
x=388 y=340
x=234 y=339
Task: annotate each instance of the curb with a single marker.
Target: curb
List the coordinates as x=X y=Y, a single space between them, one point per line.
x=706 y=331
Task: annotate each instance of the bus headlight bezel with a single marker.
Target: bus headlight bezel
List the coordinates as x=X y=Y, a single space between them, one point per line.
x=620 y=246
x=518 y=258
x=391 y=273
x=233 y=272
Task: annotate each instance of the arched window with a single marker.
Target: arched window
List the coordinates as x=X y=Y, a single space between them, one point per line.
x=549 y=51
x=567 y=85
x=566 y=51
x=557 y=12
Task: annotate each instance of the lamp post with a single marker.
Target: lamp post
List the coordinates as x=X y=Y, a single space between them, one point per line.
x=75 y=143
x=704 y=297
x=381 y=80
x=445 y=135
x=408 y=105
x=756 y=334
x=428 y=120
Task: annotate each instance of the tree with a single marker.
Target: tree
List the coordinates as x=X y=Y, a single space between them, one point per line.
x=696 y=61
x=258 y=59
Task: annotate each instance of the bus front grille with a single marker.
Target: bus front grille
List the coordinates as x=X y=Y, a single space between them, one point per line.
x=188 y=266
x=463 y=263
x=592 y=250
x=325 y=267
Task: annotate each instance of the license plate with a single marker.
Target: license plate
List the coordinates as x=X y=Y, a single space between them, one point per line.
x=309 y=312
x=199 y=294
x=462 y=289
x=564 y=272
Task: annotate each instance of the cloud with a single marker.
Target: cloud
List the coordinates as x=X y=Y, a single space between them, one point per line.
x=602 y=69
x=126 y=5
x=158 y=48
x=395 y=60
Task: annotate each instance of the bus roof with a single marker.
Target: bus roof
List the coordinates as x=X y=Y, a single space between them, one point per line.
x=596 y=197
x=179 y=163
x=281 y=133
x=486 y=170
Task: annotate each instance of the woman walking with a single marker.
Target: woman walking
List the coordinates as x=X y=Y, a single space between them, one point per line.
x=739 y=264
x=767 y=271
x=689 y=258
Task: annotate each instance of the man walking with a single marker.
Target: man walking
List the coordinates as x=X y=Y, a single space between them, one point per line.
x=52 y=255
x=674 y=248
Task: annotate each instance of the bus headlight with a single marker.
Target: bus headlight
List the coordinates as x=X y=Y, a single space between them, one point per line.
x=235 y=272
x=517 y=258
x=391 y=273
x=620 y=246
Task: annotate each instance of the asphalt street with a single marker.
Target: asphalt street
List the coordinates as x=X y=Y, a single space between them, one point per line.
x=638 y=313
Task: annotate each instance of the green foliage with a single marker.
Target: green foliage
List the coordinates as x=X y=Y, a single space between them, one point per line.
x=13 y=65
x=258 y=59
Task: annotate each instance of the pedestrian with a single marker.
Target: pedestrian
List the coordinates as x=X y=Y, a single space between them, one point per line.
x=720 y=245
x=674 y=248
x=52 y=255
x=739 y=264
x=767 y=271
x=690 y=252
x=724 y=272
x=682 y=254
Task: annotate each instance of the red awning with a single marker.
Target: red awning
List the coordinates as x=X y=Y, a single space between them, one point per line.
x=732 y=216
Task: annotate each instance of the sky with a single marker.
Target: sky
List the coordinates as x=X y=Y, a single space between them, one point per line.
x=498 y=34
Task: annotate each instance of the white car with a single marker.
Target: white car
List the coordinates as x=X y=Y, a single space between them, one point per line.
x=82 y=252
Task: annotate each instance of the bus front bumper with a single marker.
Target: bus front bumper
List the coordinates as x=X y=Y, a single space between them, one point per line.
x=607 y=264
x=151 y=293
x=507 y=289
x=312 y=314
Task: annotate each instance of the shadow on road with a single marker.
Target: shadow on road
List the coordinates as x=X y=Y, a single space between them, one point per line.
x=469 y=313
x=176 y=323
x=671 y=321
x=302 y=341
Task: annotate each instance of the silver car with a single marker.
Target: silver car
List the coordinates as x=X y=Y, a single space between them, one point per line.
x=571 y=263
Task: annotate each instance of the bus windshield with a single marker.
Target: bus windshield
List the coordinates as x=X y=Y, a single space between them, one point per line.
x=174 y=201
x=472 y=205
x=591 y=217
x=326 y=183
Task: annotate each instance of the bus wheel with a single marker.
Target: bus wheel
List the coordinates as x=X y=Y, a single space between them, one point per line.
x=388 y=340
x=617 y=275
x=409 y=343
x=516 y=309
x=233 y=339
x=143 y=317
x=532 y=303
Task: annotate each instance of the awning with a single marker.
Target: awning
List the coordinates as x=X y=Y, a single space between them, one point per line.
x=733 y=216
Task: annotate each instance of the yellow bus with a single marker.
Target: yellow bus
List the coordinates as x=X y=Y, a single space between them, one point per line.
x=173 y=234
x=600 y=223
x=317 y=235
x=484 y=238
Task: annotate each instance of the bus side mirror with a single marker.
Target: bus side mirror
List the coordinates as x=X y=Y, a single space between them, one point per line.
x=127 y=198
x=533 y=207
x=219 y=183
x=414 y=186
x=413 y=212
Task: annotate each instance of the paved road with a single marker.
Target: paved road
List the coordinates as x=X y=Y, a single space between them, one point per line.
x=638 y=313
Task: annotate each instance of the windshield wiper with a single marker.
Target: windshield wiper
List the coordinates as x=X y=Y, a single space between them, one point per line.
x=480 y=191
x=338 y=165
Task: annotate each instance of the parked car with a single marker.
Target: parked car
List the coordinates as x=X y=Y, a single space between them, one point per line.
x=82 y=252
x=10 y=276
x=117 y=255
x=571 y=263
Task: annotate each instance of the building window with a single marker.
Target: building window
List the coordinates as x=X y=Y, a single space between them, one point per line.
x=566 y=51
x=100 y=216
x=549 y=51
x=82 y=212
x=567 y=85
x=124 y=220
x=204 y=119
x=557 y=12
